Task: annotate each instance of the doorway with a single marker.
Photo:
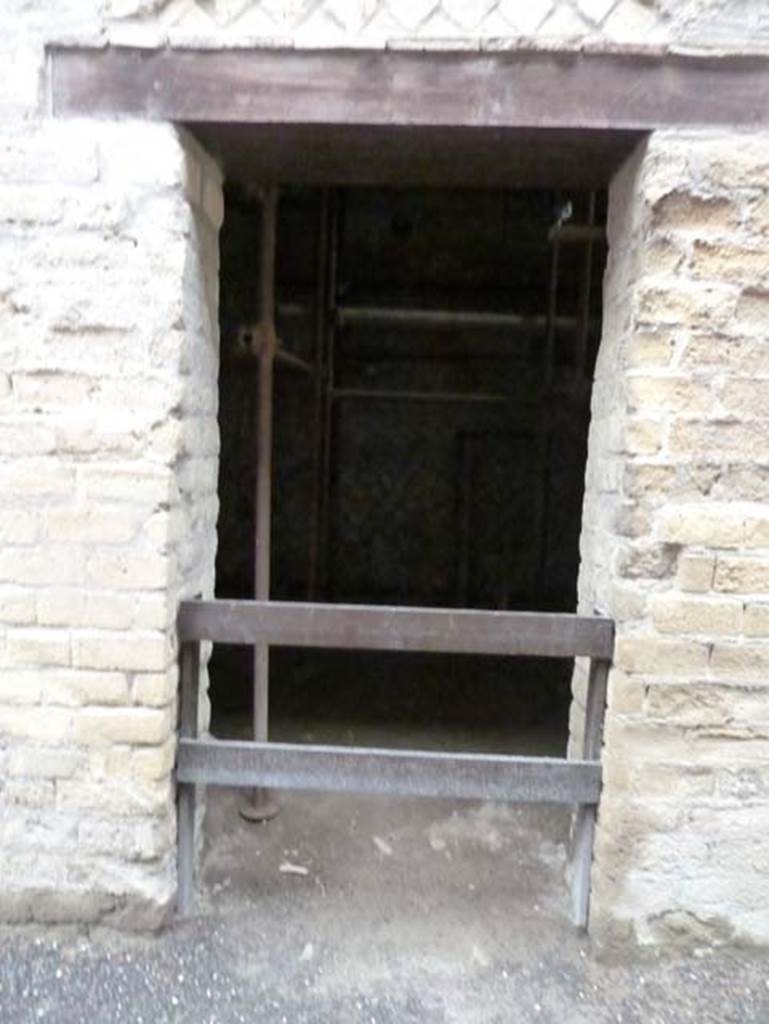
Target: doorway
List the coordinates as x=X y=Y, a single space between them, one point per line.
x=431 y=404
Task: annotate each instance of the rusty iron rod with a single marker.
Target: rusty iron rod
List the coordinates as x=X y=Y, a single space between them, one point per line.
x=260 y=804
x=545 y=395
x=324 y=517
x=466 y=463
x=551 y=318
x=295 y=362
x=320 y=309
x=583 y=332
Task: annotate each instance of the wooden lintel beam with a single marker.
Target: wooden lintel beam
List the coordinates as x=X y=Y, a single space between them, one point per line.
x=531 y=88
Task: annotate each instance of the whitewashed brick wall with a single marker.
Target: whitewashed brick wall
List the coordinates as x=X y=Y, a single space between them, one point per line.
x=108 y=448
x=675 y=543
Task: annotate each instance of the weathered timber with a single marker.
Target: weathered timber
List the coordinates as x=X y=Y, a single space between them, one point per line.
x=362 y=627
x=391 y=772
x=534 y=88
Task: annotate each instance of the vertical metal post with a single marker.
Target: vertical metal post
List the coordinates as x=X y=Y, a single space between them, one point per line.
x=319 y=392
x=260 y=805
x=552 y=308
x=584 y=823
x=189 y=686
x=583 y=316
x=466 y=465
x=545 y=417
x=324 y=516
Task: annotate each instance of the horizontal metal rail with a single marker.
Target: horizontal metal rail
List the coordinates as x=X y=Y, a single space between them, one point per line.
x=388 y=395
x=364 y=627
x=349 y=316
x=393 y=772
x=383 y=316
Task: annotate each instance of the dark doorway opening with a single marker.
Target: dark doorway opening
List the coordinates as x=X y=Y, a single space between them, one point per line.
x=431 y=405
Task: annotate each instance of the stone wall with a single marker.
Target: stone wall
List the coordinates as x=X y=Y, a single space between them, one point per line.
x=108 y=450
x=675 y=542
x=108 y=442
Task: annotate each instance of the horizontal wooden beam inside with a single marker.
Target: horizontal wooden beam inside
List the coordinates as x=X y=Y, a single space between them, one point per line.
x=393 y=772
x=363 y=627
x=517 y=88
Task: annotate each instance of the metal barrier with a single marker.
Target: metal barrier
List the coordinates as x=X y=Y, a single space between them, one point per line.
x=410 y=773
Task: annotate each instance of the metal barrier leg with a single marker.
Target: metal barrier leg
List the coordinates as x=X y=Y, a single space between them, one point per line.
x=584 y=825
x=189 y=685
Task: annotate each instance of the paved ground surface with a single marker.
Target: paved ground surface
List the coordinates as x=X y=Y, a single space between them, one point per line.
x=372 y=911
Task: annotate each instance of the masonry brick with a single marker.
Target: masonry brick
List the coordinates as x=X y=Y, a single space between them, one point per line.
x=746 y=396
x=140 y=483
x=707 y=524
x=132 y=651
x=695 y=573
x=756 y=619
x=38 y=646
x=109 y=524
x=74 y=688
x=679 y=615
x=651 y=655
x=76 y=796
x=50 y=566
x=644 y=436
x=126 y=570
x=728 y=262
x=741 y=575
x=699 y=214
x=740 y=661
x=646 y=561
x=738 y=354
x=154 y=763
x=650 y=349
x=17 y=606
x=674 y=782
x=671 y=394
x=37 y=478
x=154 y=689
x=19 y=526
x=753 y=308
x=22 y=686
x=33 y=723
x=726 y=438
x=689 y=304
x=44 y=762
x=647 y=479
x=121 y=725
